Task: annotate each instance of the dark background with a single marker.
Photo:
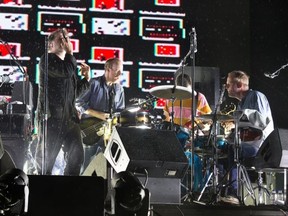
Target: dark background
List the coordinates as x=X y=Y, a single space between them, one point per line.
x=249 y=35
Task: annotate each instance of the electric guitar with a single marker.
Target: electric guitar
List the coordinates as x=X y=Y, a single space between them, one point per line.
x=92 y=129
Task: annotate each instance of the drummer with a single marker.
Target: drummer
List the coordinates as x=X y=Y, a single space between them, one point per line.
x=182 y=117
x=182 y=108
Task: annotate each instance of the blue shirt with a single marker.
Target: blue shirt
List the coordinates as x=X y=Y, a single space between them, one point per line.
x=256 y=100
x=256 y=114
x=97 y=97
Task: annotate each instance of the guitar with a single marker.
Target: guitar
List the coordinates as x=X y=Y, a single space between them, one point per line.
x=250 y=134
x=92 y=129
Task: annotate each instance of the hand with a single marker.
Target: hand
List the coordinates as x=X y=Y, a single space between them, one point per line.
x=228 y=126
x=85 y=70
x=67 y=45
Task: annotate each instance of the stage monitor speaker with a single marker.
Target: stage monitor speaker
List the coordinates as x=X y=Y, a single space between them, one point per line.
x=157 y=151
x=15 y=126
x=23 y=92
x=17 y=150
x=274 y=151
x=66 y=195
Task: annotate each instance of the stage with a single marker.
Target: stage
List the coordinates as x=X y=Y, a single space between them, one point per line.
x=85 y=195
x=221 y=210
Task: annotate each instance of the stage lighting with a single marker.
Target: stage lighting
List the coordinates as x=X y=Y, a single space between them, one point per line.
x=130 y=196
x=13 y=189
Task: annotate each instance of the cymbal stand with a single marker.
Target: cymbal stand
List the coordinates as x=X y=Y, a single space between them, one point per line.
x=242 y=178
x=213 y=137
x=212 y=180
x=172 y=114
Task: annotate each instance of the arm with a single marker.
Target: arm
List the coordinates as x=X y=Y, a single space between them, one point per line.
x=97 y=114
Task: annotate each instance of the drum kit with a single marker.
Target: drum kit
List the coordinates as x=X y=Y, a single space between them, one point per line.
x=204 y=149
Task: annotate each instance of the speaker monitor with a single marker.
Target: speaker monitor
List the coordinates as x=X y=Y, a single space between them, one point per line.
x=157 y=151
x=17 y=150
x=23 y=92
x=66 y=195
x=274 y=151
x=15 y=126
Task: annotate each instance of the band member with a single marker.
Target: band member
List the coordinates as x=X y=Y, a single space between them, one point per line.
x=182 y=108
x=62 y=88
x=182 y=117
x=104 y=97
x=255 y=121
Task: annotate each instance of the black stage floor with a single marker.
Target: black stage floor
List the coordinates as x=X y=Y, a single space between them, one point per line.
x=84 y=196
x=221 y=210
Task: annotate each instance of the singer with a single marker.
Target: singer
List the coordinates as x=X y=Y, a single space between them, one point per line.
x=255 y=124
x=63 y=131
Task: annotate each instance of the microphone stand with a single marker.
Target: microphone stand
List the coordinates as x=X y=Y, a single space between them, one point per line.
x=193 y=50
x=45 y=114
x=276 y=73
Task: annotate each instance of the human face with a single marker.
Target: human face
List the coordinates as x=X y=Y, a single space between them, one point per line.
x=56 y=46
x=232 y=88
x=114 y=73
x=61 y=42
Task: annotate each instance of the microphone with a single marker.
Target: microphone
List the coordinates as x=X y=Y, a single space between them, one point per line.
x=193 y=41
x=222 y=94
x=271 y=76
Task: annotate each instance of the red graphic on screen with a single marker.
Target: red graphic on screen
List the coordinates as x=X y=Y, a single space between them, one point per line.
x=160 y=102
x=4 y=50
x=103 y=54
x=168 y=2
x=107 y=4
x=15 y=1
x=167 y=50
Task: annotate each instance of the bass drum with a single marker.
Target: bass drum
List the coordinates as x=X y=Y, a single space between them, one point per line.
x=139 y=119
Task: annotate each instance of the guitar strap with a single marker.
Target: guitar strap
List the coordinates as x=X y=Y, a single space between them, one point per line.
x=111 y=98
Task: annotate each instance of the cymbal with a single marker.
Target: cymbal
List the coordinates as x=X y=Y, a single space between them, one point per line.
x=171 y=92
x=219 y=117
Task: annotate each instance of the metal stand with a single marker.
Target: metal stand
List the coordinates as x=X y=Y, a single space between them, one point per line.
x=242 y=175
x=213 y=136
x=212 y=180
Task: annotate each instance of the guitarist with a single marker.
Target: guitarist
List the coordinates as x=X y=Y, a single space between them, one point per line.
x=254 y=117
x=104 y=97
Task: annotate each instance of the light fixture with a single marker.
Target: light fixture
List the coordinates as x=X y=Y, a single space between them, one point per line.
x=130 y=197
x=13 y=189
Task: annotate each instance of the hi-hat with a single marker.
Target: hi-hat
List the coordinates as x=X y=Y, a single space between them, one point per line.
x=218 y=117
x=171 y=92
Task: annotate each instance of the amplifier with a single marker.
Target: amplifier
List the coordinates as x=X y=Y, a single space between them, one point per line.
x=15 y=125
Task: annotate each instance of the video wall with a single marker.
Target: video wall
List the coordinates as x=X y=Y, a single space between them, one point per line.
x=151 y=37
